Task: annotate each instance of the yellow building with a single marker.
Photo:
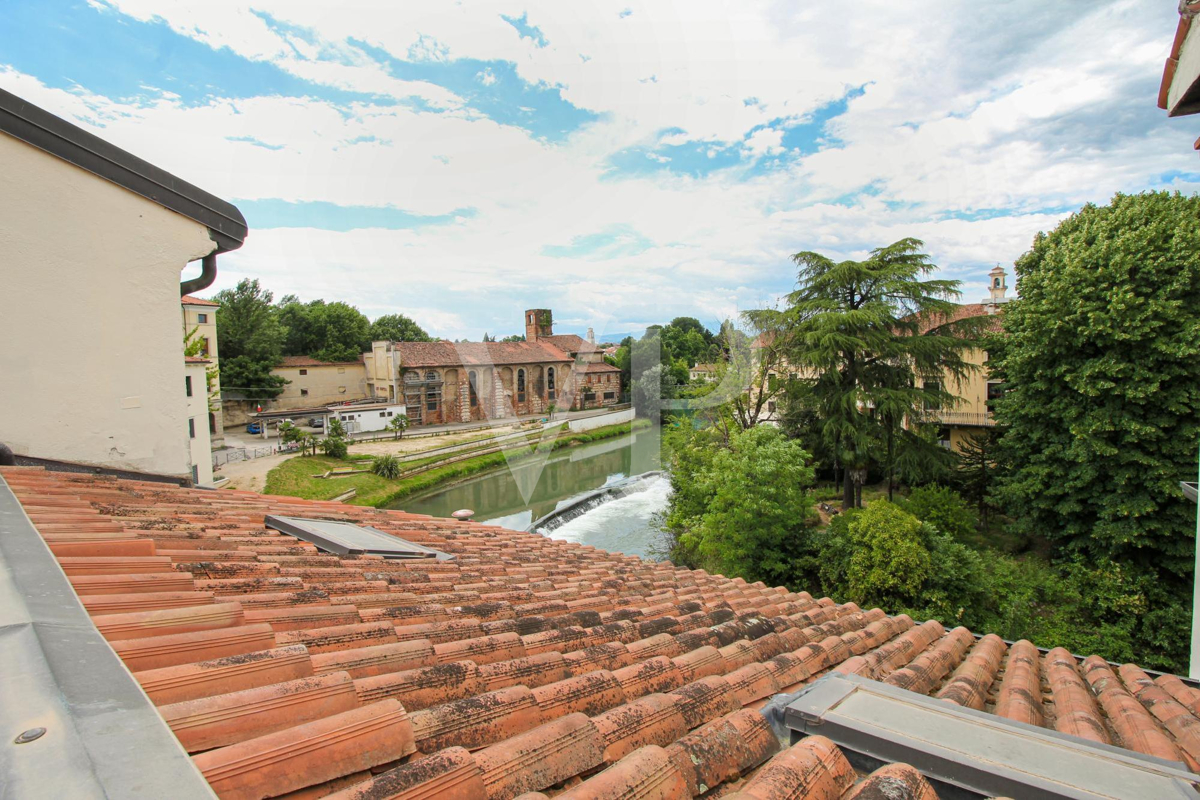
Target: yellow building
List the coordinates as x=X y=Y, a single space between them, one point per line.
x=200 y=324
x=319 y=383
x=975 y=392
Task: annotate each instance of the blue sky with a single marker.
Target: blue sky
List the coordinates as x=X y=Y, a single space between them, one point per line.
x=620 y=163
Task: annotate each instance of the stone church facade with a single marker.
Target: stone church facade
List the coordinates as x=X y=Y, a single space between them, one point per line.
x=445 y=382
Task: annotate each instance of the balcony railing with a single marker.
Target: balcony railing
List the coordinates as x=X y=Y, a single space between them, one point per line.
x=970 y=419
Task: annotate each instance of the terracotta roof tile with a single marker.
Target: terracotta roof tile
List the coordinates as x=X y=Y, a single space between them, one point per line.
x=290 y=670
x=191 y=300
x=450 y=354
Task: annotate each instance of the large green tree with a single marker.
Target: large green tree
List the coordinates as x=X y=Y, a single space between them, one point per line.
x=327 y=331
x=859 y=331
x=250 y=340
x=1101 y=364
x=743 y=508
x=398 y=328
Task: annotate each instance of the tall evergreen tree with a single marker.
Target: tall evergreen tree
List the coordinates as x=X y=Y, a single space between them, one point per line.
x=859 y=331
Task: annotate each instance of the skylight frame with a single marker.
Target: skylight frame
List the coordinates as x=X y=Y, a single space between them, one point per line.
x=343 y=538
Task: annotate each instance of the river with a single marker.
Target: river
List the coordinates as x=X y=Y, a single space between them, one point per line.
x=517 y=496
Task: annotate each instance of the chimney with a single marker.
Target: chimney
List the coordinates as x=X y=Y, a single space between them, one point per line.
x=538 y=322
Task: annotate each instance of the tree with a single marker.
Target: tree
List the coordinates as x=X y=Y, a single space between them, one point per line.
x=250 y=340
x=335 y=429
x=516 y=337
x=398 y=425
x=1101 y=367
x=326 y=331
x=757 y=362
x=859 y=331
x=397 y=328
x=747 y=512
x=976 y=469
x=251 y=378
x=249 y=326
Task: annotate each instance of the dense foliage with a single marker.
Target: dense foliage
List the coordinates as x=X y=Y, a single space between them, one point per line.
x=254 y=333
x=1101 y=362
x=1070 y=528
x=1101 y=415
x=740 y=507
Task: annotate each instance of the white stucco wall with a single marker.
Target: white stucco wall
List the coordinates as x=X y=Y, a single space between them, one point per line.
x=196 y=427
x=599 y=421
x=91 y=355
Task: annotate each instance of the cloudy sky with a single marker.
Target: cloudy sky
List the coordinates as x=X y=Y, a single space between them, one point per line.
x=620 y=162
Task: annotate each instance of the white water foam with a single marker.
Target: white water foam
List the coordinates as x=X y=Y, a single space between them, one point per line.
x=623 y=525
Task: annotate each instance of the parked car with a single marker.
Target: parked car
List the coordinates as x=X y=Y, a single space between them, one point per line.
x=254 y=427
x=316 y=422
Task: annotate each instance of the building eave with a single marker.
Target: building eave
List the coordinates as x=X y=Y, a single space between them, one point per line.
x=37 y=127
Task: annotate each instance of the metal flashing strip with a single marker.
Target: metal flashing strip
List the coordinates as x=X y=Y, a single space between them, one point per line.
x=36 y=126
x=75 y=721
x=968 y=753
x=346 y=538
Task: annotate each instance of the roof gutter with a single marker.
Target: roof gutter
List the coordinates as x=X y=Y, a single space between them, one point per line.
x=208 y=274
x=77 y=724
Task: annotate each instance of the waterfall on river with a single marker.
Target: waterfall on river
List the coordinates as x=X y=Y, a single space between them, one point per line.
x=621 y=523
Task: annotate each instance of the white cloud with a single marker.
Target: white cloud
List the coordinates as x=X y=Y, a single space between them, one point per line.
x=971 y=123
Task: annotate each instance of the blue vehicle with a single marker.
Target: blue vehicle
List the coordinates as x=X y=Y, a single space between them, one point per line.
x=254 y=427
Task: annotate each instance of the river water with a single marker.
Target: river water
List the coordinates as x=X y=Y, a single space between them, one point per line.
x=514 y=497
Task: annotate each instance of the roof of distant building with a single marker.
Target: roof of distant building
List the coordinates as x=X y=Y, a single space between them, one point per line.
x=931 y=322
x=525 y=664
x=705 y=368
x=569 y=342
x=190 y=300
x=600 y=367
x=452 y=354
x=308 y=361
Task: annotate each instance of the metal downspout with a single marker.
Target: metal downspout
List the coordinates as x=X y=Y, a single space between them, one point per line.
x=208 y=274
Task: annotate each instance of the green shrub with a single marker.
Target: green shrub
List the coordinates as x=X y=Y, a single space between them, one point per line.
x=387 y=466
x=877 y=555
x=943 y=508
x=334 y=447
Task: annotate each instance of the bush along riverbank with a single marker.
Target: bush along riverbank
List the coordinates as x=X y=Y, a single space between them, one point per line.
x=296 y=477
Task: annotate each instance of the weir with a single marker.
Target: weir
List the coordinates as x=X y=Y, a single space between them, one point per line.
x=592 y=500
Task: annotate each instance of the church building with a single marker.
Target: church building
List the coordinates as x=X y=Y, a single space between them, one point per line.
x=444 y=382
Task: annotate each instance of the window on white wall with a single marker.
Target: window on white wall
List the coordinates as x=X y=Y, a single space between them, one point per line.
x=191 y=428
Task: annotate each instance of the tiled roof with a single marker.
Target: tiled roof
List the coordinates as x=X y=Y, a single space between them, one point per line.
x=452 y=354
x=309 y=361
x=189 y=300
x=524 y=665
x=196 y=360
x=601 y=367
x=569 y=342
x=961 y=312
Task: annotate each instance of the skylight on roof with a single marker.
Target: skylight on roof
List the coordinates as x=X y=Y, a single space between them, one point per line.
x=346 y=538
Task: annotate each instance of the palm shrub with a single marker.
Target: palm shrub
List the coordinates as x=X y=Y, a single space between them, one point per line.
x=335 y=447
x=387 y=466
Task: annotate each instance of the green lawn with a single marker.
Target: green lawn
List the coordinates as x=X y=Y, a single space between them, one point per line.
x=294 y=477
